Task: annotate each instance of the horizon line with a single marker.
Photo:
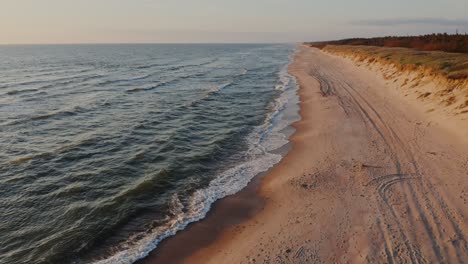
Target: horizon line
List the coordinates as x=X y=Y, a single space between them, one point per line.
x=148 y=43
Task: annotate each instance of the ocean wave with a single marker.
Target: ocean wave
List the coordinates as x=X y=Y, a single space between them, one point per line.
x=65 y=81
x=120 y=167
x=48 y=72
x=23 y=83
x=45 y=116
x=15 y=92
x=124 y=80
x=243 y=72
x=66 y=191
x=212 y=90
x=217 y=88
x=142 y=67
x=228 y=183
x=92 y=77
x=144 y=185
x=137 y=78
x=164 y=83
x=232 y=180
x=54 y=114
x=195 y=75
x=146 y=88
x=53 y=82
x=55 y=152
x=179 y=67
x=27 y=158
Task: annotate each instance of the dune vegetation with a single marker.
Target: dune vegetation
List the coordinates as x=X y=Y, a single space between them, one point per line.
x=439 y=79
x=451 y=65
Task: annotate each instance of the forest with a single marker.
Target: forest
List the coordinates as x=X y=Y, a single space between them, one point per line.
x=433 y=42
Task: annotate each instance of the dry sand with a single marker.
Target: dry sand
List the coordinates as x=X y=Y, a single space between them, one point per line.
x=371 y=177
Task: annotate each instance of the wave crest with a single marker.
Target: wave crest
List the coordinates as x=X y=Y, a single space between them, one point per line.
x=229 y=182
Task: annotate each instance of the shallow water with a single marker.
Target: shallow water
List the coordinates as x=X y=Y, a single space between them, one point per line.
x=108 y=149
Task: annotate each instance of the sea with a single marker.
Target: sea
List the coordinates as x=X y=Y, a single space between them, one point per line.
x=106 y=150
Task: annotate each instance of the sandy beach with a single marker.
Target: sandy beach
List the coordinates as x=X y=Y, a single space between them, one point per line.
x=233 y=132
x=371 y=177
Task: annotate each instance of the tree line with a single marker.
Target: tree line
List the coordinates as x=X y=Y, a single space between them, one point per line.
x=433 y=42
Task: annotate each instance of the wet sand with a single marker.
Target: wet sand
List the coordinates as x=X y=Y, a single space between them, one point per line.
x=224 y=214
x=371 y=177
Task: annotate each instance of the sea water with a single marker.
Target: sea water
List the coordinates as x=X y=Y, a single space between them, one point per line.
x=109 y=149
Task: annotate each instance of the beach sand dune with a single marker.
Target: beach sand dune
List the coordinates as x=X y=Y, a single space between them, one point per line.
x=370 y=178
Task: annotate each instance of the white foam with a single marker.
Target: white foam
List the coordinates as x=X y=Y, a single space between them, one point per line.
x=218 y=88
x=262 y=140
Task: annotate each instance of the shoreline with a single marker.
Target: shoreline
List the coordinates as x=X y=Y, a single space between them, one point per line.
x=370 y=177
x=230 y=211
x=226 y=237
x=224 y=214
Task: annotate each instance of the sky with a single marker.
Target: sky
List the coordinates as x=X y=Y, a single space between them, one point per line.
x=213 y=21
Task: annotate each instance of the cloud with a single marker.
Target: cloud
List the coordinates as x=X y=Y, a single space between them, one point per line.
x=411 y=21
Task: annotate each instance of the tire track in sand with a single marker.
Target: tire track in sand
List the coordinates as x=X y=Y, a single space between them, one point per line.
x=422 y=197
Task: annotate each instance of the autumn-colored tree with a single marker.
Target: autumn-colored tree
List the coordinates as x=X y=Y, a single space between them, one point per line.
x=441 y=42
